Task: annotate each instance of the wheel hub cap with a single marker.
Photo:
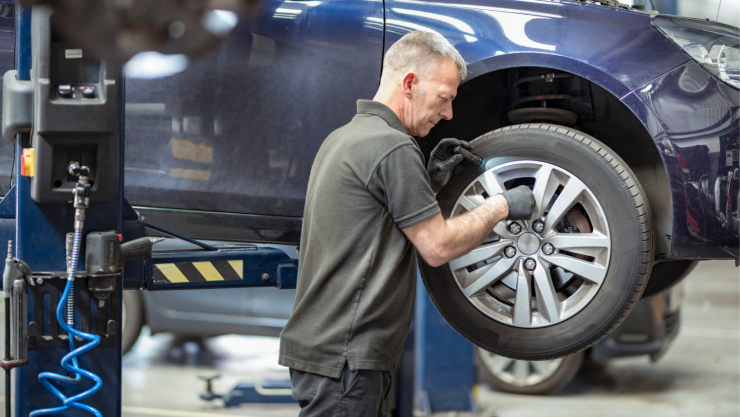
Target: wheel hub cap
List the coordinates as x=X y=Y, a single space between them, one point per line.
x=528 y=243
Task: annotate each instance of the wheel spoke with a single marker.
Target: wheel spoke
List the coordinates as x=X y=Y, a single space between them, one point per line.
x=544 y=188
x=500 y=363
x=492 y=184
x=565 y=201
x=570 y=241
x=521 y=371
x=501 y=229
x=542 y=367
x=548 y=303
x=498 y=271
x=467 y=204
x=479 y=254
x=586 y=270
x=523 y=300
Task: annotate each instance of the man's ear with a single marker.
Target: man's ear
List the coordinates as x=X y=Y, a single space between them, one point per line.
x=408 y=83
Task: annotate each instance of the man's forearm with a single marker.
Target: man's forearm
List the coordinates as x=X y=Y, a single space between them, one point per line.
x=440 y=241
x=464 y=233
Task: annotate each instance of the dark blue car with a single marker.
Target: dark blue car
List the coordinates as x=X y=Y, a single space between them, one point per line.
x=624 y=124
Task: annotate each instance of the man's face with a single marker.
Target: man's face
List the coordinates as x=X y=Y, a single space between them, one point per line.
x=432 y=100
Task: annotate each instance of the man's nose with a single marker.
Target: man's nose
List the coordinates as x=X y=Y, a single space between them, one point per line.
x=446 y=112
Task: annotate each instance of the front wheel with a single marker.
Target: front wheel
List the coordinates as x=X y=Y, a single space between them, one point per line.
x=562 y=280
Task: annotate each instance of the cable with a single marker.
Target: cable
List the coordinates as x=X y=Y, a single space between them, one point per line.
x=718 y=7
x=45 y=377
x=81 y=202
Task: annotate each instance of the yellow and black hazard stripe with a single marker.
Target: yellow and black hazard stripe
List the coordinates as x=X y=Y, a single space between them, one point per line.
x=199 y=271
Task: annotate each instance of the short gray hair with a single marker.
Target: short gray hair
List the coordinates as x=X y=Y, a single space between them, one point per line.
x=420 y=50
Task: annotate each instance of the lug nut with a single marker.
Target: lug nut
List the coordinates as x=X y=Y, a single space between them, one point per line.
x=530 y=264
x=538 y=226
x=515 y=228
x=548 y=249
x=510 y=252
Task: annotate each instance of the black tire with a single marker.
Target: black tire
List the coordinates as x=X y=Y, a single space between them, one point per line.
x=566 y=370
x=621 y=197
x=133 y=321
x=667 y=274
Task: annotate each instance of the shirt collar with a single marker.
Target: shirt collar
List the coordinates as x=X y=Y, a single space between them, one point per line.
x=381 y=110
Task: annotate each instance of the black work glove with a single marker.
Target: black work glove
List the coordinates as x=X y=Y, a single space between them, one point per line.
x=442 y=161
x=520 y=201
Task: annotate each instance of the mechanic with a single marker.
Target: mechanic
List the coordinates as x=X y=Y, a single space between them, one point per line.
x=370 y=203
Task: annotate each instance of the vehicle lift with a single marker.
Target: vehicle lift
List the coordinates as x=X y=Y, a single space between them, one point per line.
x=64 y=114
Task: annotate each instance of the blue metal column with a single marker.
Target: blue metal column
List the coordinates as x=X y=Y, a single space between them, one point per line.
x=40 y=242
x=443 y=361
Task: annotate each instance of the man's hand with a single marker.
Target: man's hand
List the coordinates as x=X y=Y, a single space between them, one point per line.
x=442 y=161
x=520 y=201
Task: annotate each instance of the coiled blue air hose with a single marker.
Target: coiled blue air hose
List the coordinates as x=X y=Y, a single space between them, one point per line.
x=46 y=377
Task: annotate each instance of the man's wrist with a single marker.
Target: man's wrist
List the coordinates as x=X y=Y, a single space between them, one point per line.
x=499 y=205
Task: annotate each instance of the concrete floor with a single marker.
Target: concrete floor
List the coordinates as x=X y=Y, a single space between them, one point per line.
x=699 y=375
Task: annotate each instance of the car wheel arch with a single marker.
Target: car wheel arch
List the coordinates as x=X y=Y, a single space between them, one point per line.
x=482 y=88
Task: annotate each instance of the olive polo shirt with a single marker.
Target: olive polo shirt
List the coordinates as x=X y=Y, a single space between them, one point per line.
x=356 y=275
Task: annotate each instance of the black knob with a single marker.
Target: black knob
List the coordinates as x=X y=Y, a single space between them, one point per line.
x=65 y=91
x=88 y=91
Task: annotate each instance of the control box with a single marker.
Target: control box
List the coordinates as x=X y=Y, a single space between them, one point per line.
x=72 y=115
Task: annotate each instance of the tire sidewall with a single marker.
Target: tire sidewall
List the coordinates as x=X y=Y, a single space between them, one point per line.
x=134 y=304
x=593 y=321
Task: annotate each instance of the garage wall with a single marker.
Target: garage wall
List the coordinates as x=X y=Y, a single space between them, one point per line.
x=729 y=10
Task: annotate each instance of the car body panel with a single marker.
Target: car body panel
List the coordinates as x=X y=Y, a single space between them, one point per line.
x=698 y=134
x=238 y=131
x=180 y=319
x=605 y=45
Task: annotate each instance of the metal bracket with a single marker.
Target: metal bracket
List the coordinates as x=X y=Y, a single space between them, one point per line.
x=91 y=322
x=234 y=268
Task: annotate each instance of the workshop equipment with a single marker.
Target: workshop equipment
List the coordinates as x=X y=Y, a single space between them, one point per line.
x=470 y=156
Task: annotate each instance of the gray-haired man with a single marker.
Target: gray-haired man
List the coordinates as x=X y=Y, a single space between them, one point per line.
x=370 y=202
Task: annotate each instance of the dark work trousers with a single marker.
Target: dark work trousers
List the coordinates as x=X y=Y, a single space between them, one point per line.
x=360 y=393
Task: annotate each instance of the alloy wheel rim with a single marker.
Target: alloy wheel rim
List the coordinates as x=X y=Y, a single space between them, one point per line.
x=519 y=373
x=533 y=288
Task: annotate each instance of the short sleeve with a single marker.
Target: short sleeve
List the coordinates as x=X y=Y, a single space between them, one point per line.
x=402 y=180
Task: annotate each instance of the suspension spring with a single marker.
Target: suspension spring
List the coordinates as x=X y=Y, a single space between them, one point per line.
x=533 y=92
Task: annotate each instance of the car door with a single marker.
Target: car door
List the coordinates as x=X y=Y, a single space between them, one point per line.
x=238 y=130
